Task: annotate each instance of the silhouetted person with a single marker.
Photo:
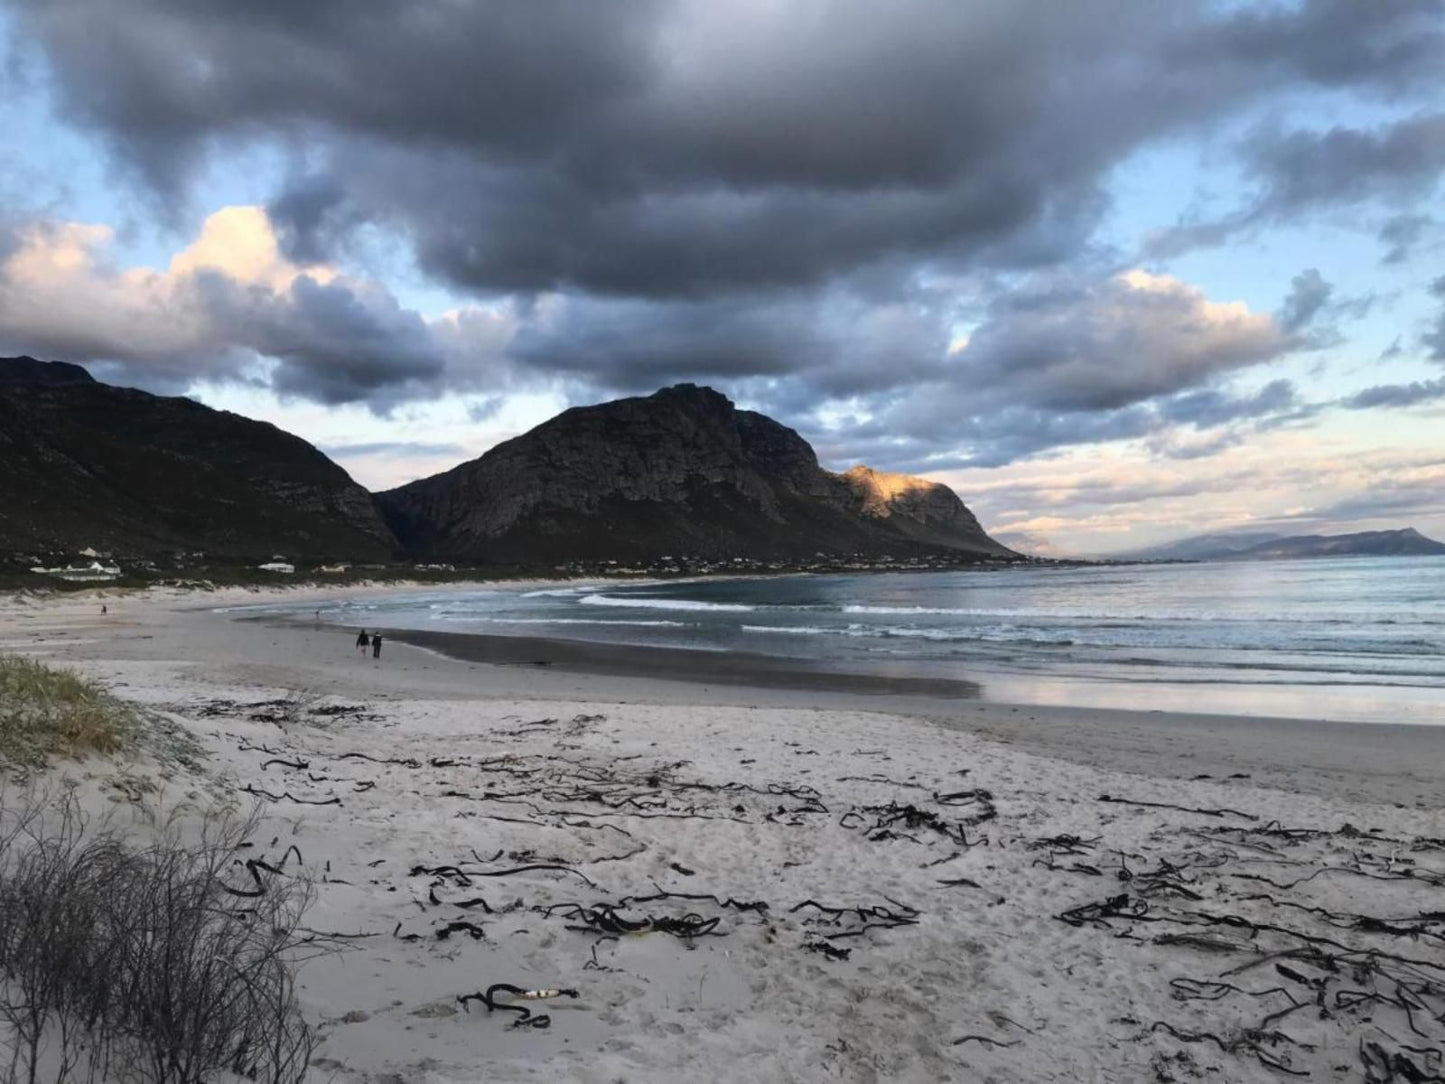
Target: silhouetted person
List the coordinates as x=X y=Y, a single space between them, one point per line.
x=103 y=609
x=376 y=646
x=361 y=641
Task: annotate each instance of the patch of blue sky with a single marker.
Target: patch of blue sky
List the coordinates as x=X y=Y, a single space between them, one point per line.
x=47 y=169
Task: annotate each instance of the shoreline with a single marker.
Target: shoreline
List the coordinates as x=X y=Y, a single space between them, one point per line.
x=1029 y=678
x=1318 y=753
x=691 y=666
x=818 y=884
x=1386 y=762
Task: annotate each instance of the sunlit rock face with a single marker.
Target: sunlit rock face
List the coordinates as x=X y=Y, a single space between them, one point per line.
x=681 y=471
x=923 y=510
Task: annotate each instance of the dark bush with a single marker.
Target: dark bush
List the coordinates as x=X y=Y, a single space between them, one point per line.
x=144 y=961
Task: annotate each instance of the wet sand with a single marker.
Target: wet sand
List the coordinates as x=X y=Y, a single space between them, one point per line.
x=676 y=664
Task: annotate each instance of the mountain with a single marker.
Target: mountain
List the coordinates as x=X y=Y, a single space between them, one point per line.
x=1202 y=547
x=682 y=471
x=1271 y=545
x=26 y=370
x=141 y=475
x=1033 y=544
x=1406 y=542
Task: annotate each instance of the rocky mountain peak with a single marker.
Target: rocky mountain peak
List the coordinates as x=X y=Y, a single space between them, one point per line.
x=680 y=471
x=141 y=475
x=28 y=370
x=694 y=397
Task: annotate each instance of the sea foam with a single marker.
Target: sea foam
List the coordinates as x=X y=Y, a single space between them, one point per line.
x=665 y=604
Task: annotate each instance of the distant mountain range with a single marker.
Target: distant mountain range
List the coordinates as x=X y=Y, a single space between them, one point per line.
x=1202 y=547
x=1270 y=546
x=1033 y=544
x=681 y=472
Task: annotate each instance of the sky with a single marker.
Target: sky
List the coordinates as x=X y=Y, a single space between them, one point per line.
x=1119 y=271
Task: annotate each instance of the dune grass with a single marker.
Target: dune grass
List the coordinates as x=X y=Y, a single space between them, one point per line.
x=46 y=711
x=146 y=958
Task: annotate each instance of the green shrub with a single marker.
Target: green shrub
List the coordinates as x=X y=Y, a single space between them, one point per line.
x=46 y=711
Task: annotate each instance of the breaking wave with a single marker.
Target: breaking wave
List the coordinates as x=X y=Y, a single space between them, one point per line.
x=641 y=603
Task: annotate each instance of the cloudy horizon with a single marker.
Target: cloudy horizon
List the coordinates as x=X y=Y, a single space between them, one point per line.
x=1118 y=271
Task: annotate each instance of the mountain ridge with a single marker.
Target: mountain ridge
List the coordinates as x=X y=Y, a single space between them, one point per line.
x=89 y=464
x=680 y=471
x=1401 y=542
x=1275 y=545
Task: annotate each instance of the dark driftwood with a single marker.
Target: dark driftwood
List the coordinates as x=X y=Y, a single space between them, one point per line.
x=604 y=918
x=525 y=1018
x=1335 y=964
x=1181 y=808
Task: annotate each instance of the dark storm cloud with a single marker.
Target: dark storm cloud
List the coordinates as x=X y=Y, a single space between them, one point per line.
x=923 y=132
x=917 y=441
x=937 y=432
x=1395 y=43
x=776 y=197
x=308 y=216
x=1299 y=172
x=164 y=78
x=1069 y=361
x=838 y=343
x=1103 y=346
x=332 y=346
x=1347 y=165
x=521 y=226
x=678 y=148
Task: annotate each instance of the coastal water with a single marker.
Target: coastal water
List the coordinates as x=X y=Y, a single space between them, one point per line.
x=1358 y=639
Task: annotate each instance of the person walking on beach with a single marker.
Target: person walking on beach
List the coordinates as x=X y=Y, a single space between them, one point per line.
x=376 y=645
x=361 y=641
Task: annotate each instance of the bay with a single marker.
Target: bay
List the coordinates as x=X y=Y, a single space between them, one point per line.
x=1357 y=639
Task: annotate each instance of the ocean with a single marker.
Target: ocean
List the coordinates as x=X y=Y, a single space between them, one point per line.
x=1351 y=639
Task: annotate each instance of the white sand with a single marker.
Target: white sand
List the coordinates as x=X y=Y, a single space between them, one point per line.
x=640 y=787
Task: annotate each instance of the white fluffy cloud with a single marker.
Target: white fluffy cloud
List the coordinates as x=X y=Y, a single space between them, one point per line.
x=1103 y=346
x=231 y=306
x=1075 y=362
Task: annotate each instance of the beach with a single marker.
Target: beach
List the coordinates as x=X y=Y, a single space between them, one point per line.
x=749 y=873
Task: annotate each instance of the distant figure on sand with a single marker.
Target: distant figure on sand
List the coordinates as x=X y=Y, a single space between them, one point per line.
x=103 y=609
x=376 y=646
x=361 y=641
